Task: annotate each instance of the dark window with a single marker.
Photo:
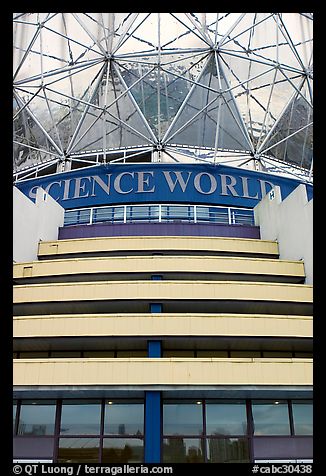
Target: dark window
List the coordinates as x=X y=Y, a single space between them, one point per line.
x=226 y=418
x=80 y=417
x=271 y=417
x=33 y=355
x=37 y=417
x=123 y=450
x=98 y=353
x=212 y=353
x=245 y=353
x=183 y=450
x=78 y=450
x=302 y=417
x=123 y=418
x=65 y=354
x=228 y=450
x=182 y=419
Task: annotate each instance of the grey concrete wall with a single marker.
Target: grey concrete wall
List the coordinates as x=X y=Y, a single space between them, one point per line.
x=290 y=223
x=33 y=222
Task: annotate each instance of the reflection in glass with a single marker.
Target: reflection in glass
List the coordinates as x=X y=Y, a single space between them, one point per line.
x=302 y=417
x=37 y=417
x=271 y=418
x=228 y=450
x=80 y=417
x=123 y=450
x=182 y=419
x=14 y=407
x=78 y=450
x=226 y=418
x=124 y=418
x=183 y=450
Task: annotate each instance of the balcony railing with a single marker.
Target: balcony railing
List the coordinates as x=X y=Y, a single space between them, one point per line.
x=160 y=214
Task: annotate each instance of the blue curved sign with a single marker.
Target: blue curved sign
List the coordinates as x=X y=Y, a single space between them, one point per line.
x=159 y=183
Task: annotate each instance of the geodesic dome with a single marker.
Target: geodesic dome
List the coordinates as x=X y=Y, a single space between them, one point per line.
x=231 y=88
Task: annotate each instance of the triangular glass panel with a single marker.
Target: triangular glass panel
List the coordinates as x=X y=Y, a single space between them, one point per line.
x=216 y=25
x=300 y=30
x=24 y=39
x=182 y=32
x=218 y=124
x=31 y=144
x=69 y=41
x=142 y=37
x=58 y=105
x=292 y=137
x=107 y=28
x=172 y=90
x=258 y=36
x=40 y=108
x=113 y=121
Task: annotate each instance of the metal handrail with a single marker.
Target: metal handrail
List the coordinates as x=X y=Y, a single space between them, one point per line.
x=159 y=213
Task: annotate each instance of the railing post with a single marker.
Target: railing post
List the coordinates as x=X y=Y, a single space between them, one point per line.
x=229 y=215
x=195 y=213
x=91 y=216
x=125 y=214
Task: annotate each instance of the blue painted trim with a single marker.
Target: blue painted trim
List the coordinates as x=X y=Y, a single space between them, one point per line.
x=154 y=348
x=156 y=277
x=152 y=427
x=155 y=307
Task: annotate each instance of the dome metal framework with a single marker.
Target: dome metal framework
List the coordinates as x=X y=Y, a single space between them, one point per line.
x=231 y=88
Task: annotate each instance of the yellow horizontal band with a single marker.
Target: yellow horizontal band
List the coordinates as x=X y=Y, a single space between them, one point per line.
x=152 y=243
x=163 y=290
x=159 y=264
x=162 y=325
x=163 y=371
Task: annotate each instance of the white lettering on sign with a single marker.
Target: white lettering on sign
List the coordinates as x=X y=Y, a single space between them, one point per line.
x=174 y=182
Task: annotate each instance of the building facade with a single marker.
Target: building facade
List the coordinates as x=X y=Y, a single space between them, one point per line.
x=162 y=313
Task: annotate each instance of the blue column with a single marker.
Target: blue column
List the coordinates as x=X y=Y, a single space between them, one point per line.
x=153 y=413
x=152 y=427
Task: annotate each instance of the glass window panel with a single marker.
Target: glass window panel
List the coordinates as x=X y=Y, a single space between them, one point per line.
x=243 y=217
x=226 y=418
x=212 y=353
x=302 y=417
x=218 y=215
x=125 y=418
x=228 y=450
x=245 y=353
x=37 y=417
x=182 y=419
x=137 y=213
x=78 y=450
x=183 y=450
x=118 y=213
x=80 y=417
x=123 y=450
x=33 y=355
x=202 y=213
x=102 y=214
x=271 y=418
